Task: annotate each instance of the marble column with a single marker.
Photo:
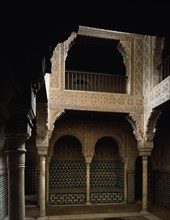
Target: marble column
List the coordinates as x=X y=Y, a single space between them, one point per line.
x=145 y=183
x=88 y=183
x=16 y=185
x=42 y=186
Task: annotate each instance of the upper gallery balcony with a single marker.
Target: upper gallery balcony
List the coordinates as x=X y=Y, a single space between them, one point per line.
x=105 y=70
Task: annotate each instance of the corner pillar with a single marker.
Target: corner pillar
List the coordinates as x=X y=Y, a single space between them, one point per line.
x=15 y=143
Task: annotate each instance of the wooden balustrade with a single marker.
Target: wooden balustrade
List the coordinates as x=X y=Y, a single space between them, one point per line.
x=98 y=82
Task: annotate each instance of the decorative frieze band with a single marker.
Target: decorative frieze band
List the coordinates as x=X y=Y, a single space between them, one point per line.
x=95 y=101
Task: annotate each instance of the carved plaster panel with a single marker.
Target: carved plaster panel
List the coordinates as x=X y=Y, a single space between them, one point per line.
x=138 y=67
x=62 y=68
x=68 y=43
x=55 y=68
x=125 y=48
x=53 y=115
x=160 y=93
x=147 y=65
x=95 y=101
x=137 y=122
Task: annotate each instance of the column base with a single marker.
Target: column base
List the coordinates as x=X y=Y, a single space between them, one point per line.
x=88 y=203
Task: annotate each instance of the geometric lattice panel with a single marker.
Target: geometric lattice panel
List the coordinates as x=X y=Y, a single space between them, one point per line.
x=67 y=173
x=107 y=173
x=113 y=197
x=67 y=199
x=3 y=195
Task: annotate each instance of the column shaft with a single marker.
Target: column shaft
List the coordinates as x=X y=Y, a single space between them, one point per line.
x=145 y=184
x=47 y=181
x=42 y=186
x=88 y=183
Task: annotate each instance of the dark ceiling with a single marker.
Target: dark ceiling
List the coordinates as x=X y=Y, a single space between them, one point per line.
x=30 y=31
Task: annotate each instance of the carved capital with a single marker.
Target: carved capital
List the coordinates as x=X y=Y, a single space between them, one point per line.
x=88 y=158
x=42 y=150
x=44 y=134
x=145 y=152
x=43 y=137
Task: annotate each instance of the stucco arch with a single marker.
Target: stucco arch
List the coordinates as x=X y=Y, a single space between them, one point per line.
x=58 y=137
x=115 y=138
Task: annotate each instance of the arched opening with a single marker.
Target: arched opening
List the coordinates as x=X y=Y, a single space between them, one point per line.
x=31 y=179
x=67 y=173
x=98 y=62
x=107 y=173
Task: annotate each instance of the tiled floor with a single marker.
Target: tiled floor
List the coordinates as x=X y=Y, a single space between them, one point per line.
x=102 y=212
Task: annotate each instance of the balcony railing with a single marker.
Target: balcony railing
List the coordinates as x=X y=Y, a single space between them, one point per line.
x=164 y=69
x=98 y=82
